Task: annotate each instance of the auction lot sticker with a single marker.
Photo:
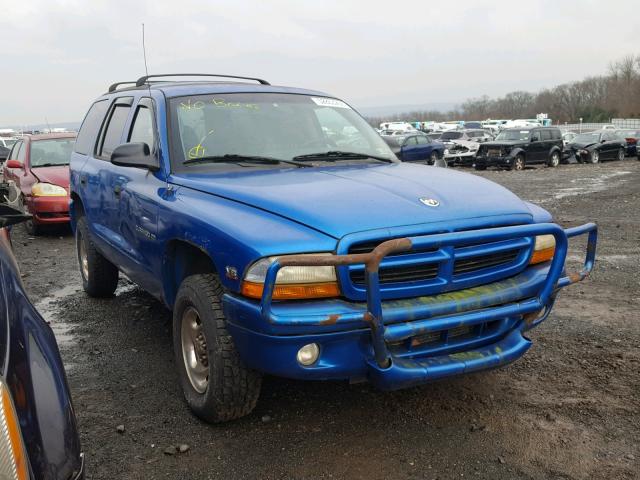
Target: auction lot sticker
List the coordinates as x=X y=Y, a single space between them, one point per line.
x=330 y=102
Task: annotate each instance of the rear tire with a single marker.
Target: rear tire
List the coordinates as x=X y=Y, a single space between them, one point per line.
x=554 y=159
x=99 y=275
x=217 y=385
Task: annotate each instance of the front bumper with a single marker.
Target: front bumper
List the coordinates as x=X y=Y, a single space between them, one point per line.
x=463 y=159
x=399 y=343
x=491 y=161
x=49 y=210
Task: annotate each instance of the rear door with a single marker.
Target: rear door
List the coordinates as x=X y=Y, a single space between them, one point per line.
x=101 y=205
x=536 y=149
x=547 y=144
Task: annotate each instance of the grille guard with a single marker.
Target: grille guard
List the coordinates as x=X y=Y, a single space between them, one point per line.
x=373 y=314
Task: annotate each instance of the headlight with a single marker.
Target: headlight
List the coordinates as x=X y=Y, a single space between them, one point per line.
x=584 y=152
x=446 y=151
x=47 y=190
x=13 y=457
x=543 y=249
x=292 y=282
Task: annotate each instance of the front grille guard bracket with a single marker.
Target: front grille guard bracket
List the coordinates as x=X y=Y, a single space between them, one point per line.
x=373 y=315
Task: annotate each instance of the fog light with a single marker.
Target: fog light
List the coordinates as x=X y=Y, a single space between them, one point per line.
x=308 y=354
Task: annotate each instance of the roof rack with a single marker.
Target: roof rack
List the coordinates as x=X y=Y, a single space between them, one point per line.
x=142 y=80
x=114 y=86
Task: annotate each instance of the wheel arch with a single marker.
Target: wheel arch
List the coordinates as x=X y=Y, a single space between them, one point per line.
x=182 y=259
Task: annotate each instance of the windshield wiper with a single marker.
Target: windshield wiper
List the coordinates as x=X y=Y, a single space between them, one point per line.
x=335 y=155
x=234 y=158
x=49 y=165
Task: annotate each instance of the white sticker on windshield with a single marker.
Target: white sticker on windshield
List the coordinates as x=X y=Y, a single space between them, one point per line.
x=524 y=131
x=330 y=102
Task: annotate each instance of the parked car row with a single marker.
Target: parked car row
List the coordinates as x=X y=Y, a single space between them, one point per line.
x=513 y=148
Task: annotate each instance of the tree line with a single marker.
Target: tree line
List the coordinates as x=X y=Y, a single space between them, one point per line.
x=594 y=99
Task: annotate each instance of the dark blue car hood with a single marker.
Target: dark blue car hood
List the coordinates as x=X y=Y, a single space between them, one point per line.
x=338 y=200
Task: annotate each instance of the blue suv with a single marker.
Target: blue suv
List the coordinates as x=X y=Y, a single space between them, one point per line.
x=288 y=239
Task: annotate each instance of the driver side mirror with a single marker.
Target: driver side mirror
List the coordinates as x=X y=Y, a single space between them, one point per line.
x=136 y=155
x=14 y=164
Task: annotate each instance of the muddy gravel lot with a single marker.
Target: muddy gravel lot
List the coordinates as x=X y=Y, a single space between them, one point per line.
x=570 y=409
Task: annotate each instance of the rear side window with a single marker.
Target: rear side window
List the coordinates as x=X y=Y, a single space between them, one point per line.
x=555 y=134
x=90 y=126
x=113 y=133
x=545 y=135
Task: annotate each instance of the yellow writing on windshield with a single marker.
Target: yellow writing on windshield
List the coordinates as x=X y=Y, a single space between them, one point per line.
x=220 y=102
x=196 y=152
x=189 y=105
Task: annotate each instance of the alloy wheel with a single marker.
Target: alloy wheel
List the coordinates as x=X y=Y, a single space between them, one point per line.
x=194 y=350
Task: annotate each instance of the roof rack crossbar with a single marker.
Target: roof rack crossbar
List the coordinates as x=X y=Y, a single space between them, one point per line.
x=114 y=86
x=142 y=80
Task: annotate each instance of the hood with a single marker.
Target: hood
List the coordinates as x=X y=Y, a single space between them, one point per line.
x=503 y=143
x=578 y=145
x=465 y=143
x=58 y=175
x=345 y=199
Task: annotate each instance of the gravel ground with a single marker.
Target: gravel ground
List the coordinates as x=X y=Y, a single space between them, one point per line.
x=568 y=410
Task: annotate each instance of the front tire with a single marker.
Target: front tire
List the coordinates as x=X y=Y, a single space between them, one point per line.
x=518 y=163
x=621 y=153
x=554 y=160
x=433 y=158
x=30 y=226
x=217 y=386
x=99 y=275
x=594 y=157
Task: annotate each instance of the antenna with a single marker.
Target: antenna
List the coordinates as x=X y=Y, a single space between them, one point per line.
x=144 y=52
x=155 y=148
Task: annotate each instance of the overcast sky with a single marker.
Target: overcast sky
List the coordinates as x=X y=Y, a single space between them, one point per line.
x=57 y=56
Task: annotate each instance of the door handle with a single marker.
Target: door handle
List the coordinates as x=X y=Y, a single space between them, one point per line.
x=117 y=190
x=83 y=179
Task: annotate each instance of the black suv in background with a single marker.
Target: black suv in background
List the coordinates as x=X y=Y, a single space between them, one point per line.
x=513 y=148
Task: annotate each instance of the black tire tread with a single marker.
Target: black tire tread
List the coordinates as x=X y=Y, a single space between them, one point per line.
x=233 y=388
x=103 y=275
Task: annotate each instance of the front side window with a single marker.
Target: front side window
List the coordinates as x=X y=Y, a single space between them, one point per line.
x=22 y=152
x=49 y=153
x=13 y=154
x=423 y=140
x=275 y=125
x=142 y=128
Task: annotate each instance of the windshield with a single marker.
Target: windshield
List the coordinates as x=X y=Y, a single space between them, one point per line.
x=521 y=135
x=274 y=125
x=51 y=152
x=587 y=138
x=451 y=136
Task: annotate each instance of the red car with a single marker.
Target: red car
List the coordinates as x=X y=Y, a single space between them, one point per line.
x=39 y=167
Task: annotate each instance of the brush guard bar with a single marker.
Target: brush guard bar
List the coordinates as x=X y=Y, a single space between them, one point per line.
x=373 y=315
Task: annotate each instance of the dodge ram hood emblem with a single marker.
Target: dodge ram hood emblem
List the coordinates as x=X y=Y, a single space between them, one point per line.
x=430 y=202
